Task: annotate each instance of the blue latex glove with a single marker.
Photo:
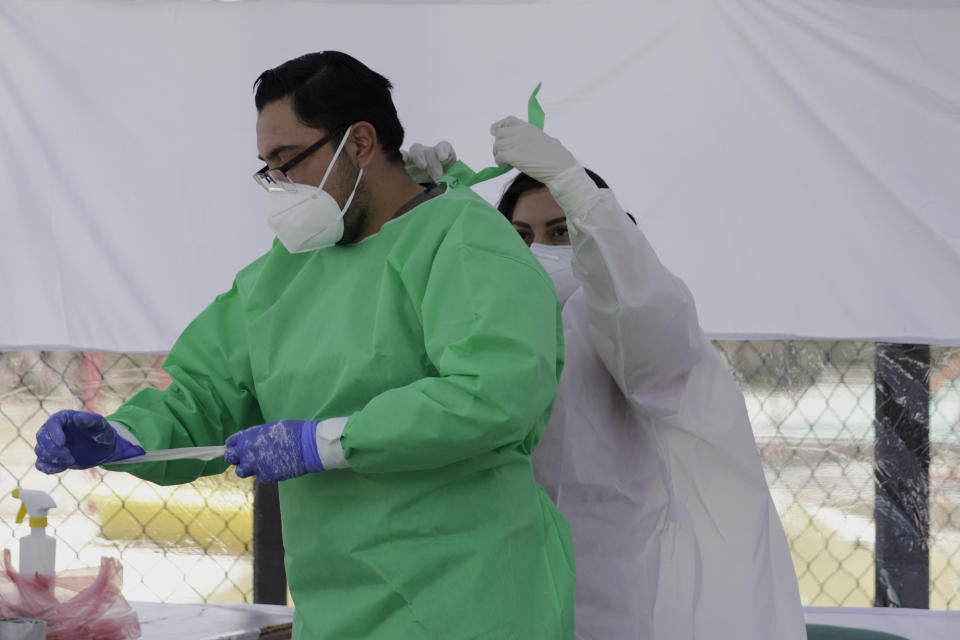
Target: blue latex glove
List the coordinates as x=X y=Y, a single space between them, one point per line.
x=79 y=440
x=275 y=451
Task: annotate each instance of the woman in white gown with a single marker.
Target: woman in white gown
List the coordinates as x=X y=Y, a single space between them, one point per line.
x=649 y=452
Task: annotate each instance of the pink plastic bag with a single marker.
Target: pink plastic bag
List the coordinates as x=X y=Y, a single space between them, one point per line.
x=84 y=604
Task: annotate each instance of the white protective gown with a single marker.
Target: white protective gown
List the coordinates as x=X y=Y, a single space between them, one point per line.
x=650 y=455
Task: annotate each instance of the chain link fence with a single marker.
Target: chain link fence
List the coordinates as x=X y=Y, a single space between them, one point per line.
x=811 y=405
x=189 y=543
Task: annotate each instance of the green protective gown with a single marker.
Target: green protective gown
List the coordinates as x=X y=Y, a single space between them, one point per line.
x=440 y=338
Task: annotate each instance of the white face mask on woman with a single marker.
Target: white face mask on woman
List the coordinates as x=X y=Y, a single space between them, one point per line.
x=309 y=218
x=557 y=260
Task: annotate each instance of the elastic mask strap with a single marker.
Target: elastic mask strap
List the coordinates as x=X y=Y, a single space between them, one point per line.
x=336 y=156
x=343 y=212
x=536 y=117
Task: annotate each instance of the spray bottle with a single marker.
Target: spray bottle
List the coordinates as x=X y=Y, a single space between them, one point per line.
x=38 y=551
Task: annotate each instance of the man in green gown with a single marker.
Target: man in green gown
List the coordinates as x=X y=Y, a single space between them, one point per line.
x=393 y=366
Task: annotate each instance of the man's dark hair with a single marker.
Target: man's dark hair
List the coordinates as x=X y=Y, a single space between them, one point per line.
x=523 y=183
x=330 y=89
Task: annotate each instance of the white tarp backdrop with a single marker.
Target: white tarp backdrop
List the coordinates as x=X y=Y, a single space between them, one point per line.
x=797 y=162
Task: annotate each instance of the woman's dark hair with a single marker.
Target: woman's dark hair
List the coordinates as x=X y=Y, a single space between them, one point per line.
x=331 y=89
x=523 y=183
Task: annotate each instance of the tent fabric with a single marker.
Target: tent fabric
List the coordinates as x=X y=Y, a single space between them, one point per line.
x=794 y=161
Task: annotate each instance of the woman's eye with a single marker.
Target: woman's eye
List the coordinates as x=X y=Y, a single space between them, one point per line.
x=526 y=236
x=560 y=232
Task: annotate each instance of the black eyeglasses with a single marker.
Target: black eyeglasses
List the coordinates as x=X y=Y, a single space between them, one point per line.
x=277 y=179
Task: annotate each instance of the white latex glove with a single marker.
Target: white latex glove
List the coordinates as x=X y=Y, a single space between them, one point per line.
x=427 y=164
x=527 y=148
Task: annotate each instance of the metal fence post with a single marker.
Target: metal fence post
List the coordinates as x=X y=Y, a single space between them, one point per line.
x=902 y=475
x=269 y=574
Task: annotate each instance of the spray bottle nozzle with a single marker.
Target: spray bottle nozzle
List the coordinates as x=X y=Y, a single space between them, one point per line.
x=36 y=503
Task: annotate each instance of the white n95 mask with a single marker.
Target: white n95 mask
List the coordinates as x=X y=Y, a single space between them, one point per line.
x=558 y=263
x=308 y=218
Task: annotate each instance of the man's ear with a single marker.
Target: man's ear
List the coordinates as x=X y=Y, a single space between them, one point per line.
x=363 y=138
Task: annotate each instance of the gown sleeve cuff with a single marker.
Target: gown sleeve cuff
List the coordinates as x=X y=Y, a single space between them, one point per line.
x=575 y=192
x=329 y=447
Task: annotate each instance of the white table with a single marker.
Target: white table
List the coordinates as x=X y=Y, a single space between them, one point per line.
x=160 y=621
x=246 y=621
